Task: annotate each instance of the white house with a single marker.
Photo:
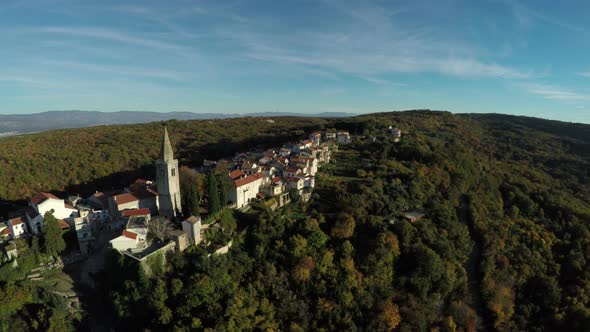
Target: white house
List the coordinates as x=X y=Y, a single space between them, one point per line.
x=292 y=171
x=295 y=183
x=46 y=202
x=276 y=187
x=330 y=136
x=127 y=240
x=126 y=201
x=4 y=232
x=343 y=137
x=17 y=227
x=192 y=228
x=245 y=189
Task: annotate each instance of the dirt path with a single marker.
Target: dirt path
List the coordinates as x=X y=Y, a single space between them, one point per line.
x=472 y=266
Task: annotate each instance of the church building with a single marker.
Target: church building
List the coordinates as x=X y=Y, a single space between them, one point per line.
x=167 y=180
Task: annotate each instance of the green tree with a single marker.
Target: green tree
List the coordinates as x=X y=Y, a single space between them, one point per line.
x=213 y=193
x=223 y=188
x=190 y=198
x=54 y=242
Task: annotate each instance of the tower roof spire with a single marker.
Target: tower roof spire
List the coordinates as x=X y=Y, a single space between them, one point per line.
x=166 y=150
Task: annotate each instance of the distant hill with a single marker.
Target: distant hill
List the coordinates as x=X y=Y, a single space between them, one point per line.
x=14 y=124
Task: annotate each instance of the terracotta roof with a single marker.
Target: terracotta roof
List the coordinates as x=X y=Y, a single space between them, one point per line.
x=307 y=141
x=129 y=234
x=68 y=206
x=315 y=133
x=41 y=197
x=236 y=174
x=15 y=221
x=63 y=224
x=142 y=193
x=248 y=179
x=292 y=170
x=5 y=231
x=276 y=179
x=124 y=198
x=136 y=212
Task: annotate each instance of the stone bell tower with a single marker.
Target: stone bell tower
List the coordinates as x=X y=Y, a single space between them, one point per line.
x=167 y=179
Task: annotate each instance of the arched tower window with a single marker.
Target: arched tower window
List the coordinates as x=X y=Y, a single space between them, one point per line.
x=174 y=172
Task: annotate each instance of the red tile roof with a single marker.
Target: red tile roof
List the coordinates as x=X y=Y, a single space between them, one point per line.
x=307 y=141
x=292 y=170
x=315 y=133
x=129 y=234
x=41 y=197
x=247 y=180
x=125 y=198
x=15 y=221
x=276 y=179
x=136 y=212
x=5 y=231
x=236 y=174
x=142 y=193
x=63 y=224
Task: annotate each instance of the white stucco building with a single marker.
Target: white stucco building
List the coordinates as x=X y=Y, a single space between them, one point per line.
x=245 y=189
x=45 y=202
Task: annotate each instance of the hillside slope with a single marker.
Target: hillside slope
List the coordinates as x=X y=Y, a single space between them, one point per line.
x=515 y=189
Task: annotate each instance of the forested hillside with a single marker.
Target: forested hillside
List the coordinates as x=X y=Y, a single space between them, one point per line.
x=504 y=244
x=82 y=160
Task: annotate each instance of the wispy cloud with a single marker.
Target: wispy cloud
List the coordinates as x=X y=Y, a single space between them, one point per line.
x=526 y=16
x=558 y=93
x=117 y=70
x=585 y=74
x=113 y=35
x=370 y=41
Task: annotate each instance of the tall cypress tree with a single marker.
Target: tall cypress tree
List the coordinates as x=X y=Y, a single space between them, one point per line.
x=190 y=198
x=213 y=193
x=223 y=186
x=54 y=242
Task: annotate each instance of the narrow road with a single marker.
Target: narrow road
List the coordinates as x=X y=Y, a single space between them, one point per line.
x=473 y=267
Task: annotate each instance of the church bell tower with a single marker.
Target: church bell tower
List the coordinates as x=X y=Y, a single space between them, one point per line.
x=167 y=179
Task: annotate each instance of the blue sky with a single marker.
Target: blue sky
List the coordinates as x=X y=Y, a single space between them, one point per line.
x=518 y=57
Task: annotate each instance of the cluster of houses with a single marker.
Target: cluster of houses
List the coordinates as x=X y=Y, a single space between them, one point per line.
x=284 y=174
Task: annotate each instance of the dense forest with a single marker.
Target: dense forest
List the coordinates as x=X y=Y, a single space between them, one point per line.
x=504 y=243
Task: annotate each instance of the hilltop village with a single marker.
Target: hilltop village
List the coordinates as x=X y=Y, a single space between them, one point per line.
x=145 y=218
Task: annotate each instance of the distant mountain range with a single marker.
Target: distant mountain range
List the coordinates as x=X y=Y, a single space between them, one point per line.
x=15 y=124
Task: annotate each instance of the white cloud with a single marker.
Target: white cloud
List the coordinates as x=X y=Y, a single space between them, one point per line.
x=558 y=93
x=114 y=69
x=369 y=42
x=113 y=35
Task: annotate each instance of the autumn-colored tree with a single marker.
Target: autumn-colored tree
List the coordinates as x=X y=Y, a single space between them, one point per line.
x=344 y=226
x=302 y=271
x=388 y=318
